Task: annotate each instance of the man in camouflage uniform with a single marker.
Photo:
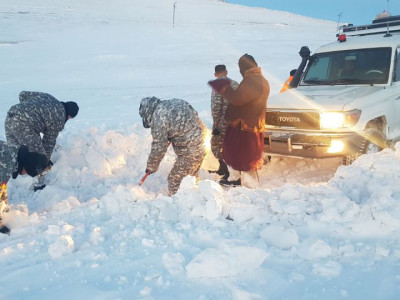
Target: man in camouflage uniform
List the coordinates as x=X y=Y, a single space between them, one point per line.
x=38 y=113
x=14 y=161
x=218 y=108
x=176 y=122
x=35 y=114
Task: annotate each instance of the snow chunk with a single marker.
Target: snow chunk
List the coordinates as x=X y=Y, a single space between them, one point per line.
x=65 y=205
x=289 y=194
x=215 y=199
x=314 y=249
x=328 y=269
x=62 y=246
x=53 y=230
x=227 y=260
x=146 y=291
x=188 y=183
x=211 y=203
x=280 y=237
x=123 y=200
x=16 y=218
x=242 y=209
x=173 y=262
x=96 y=236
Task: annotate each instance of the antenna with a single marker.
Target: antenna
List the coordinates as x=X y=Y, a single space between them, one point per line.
x=338 y=20
x=387 y=21
x=173 y=16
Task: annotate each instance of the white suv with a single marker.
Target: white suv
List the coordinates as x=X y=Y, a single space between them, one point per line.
x=346 y=102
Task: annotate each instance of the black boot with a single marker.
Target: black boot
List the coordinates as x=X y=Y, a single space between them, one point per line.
x=4 y=229
x=233 y=183
x=39 y=188
x=223 y=169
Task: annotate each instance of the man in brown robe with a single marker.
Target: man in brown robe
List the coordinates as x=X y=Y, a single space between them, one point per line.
x=244 y=140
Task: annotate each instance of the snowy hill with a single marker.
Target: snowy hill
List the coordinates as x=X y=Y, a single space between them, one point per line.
x=313 y=231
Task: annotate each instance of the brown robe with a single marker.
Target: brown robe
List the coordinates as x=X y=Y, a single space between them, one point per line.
x=244 y=142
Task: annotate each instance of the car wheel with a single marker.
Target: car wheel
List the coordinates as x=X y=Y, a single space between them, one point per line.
x=373 y=141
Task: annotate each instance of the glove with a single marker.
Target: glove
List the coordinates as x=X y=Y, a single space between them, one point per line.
x=148 y=171
x=216 y=131
x=219 y=84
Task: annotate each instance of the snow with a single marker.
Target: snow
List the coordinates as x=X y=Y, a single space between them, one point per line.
x=313 y=230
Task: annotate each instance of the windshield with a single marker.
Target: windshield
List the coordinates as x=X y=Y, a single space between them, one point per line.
x=363 y=66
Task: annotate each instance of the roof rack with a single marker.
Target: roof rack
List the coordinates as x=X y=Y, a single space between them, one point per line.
x=381 y=25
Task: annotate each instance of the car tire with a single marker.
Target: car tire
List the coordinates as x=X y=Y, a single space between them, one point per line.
x=373 y=141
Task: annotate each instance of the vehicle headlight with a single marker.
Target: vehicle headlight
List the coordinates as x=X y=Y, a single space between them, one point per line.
x=339 y=119
x=331 y=120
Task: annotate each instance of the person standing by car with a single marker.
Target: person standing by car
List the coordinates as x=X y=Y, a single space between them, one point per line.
x=218 y=109
x=174 y=121
x=244 y=139
x=286 y=84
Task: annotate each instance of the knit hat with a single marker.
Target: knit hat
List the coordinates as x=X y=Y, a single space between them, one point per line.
x=33 y=162
x=220 y=68
x=246 y=62
x=71 y=109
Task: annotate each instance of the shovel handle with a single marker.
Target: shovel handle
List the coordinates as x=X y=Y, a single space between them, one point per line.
x=144 y=178
x=147 y=173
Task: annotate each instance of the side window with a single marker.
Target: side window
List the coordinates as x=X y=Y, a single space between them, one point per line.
x=397 y=69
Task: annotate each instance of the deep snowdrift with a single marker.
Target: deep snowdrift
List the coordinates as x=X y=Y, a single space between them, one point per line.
x=314 y=230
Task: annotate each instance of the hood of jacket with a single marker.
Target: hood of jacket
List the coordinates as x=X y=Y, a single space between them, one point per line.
x=146 y=110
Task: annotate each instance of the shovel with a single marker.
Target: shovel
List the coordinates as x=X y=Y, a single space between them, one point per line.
x=147 y=173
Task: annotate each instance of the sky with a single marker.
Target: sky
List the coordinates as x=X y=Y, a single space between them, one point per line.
x=314 y=229
x=357 y=12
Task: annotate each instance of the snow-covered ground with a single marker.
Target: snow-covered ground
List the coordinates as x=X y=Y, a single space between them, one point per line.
x=314 y=230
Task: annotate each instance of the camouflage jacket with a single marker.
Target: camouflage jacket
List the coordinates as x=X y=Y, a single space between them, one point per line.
x=8 y=161
x=41 y=112
x=218 y=108
x=174 y=121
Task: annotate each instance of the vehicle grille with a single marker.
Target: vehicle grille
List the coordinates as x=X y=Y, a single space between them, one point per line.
x=301 y=120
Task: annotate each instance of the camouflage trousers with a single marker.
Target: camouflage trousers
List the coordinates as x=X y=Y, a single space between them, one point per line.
x=188 y=164
x=216 y=145
x=18 y=133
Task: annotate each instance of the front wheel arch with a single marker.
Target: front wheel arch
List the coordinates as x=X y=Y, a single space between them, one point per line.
x=373 y=141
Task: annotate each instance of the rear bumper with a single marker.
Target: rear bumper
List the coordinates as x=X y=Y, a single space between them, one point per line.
x=310 y=144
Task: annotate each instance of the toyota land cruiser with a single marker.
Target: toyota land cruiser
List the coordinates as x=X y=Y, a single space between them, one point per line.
x=344 y=100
